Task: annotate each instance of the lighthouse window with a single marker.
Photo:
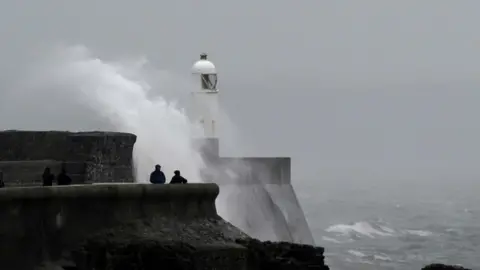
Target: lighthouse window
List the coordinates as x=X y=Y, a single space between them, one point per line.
x=209 y=81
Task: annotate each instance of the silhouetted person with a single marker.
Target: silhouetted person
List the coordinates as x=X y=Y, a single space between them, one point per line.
x=63 y=179
x=157 y=176
x=177 y=178
x=2 y=184
x=47 y=177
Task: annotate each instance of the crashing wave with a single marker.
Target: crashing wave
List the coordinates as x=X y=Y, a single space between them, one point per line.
x=373 y=229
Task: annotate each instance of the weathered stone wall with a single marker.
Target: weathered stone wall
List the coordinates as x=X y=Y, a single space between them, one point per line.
x=40 y=224
x=259 y=191
x=267 y=212
x=102 y=156
x=255 y=170
x=29 y=173
x=33 y=145
x=112 y=148
x=248 y=170
x=108 y=156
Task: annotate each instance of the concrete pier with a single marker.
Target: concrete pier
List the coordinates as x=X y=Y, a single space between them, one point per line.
x=43 y=224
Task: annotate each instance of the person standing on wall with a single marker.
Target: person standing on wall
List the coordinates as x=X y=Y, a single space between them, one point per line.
x=63 y=179
x=177 y=178
x=157 y=176
x=47 y=177
x=2 y=184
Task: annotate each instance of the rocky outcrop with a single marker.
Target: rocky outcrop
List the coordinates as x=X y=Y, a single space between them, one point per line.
x=443 y=267
x=137 y=247
x=282 y=255
x=197 y=244
x=193 y=246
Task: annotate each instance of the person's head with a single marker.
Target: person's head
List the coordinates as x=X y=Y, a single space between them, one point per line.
x=177 y=172
x=47 y=170
x=157 y=167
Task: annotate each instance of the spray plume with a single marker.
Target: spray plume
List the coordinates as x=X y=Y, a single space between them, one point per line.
x=70 y=89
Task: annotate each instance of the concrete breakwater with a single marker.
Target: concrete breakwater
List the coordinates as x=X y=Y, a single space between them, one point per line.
x=257 y=190
x=44 y=224
x=88 y=157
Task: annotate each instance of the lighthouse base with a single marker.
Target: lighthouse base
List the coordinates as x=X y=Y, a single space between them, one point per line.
x=256 y=195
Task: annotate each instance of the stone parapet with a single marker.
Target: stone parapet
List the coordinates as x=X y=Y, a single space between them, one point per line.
x=29 y=173
x=33 y=145
x=249 y=170
x=42 y=223
x=102 y=156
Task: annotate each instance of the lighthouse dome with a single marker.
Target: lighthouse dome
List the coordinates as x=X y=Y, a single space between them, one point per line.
x=203 y=66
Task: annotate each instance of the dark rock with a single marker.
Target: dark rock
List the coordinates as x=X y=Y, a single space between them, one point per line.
x=136 y=246
x=282 y=255
x=444 y=267
x=197 y=245
x=136 y=254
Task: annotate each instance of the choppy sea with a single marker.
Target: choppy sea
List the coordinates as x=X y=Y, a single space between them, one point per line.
x=385 y=225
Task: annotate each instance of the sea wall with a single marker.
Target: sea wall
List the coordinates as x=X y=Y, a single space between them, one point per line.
x=33 y=145
x=258 y=197
x=267 y=212
x=248 y=170
x=29 y=173
x=255 y=170
x=102 y=156
x=42 y=224
x=243 y=170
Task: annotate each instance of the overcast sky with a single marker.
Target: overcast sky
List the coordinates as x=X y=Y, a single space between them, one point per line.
x=349 y=89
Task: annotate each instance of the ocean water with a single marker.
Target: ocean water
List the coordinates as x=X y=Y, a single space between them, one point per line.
x=388 y=225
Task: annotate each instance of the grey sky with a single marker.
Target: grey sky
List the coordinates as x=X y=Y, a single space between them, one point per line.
x=349 y=89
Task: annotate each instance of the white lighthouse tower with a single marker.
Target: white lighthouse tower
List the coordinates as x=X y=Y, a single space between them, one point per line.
x=269 y=208
x=205 y=97
x=205 y=104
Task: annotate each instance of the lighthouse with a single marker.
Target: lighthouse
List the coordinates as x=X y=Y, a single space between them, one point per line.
x=257 y=195
x=205 y=97
x=205 y=104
